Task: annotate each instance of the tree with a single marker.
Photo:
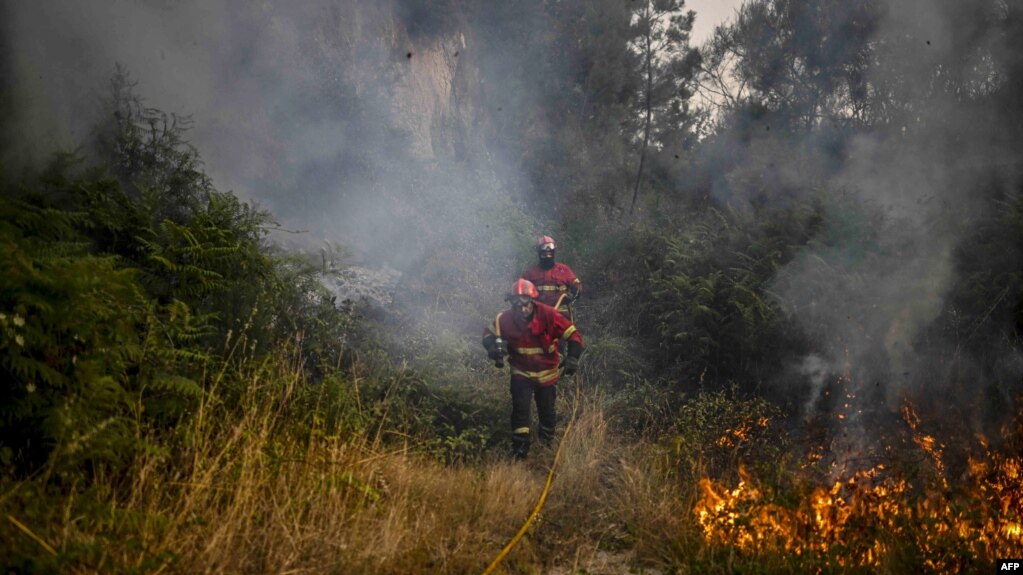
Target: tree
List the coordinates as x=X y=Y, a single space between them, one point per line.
x=667 y=69
x=803 y=61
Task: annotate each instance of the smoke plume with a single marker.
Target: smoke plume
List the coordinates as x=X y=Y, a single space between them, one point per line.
x=900 y=203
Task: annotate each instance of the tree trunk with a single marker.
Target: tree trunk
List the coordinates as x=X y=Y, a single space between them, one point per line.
x=646 y=128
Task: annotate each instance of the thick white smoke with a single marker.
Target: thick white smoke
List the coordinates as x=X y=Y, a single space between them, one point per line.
x=904 y=198
x=355 y=123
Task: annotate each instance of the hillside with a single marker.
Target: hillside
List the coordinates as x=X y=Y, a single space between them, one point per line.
x=249 y=252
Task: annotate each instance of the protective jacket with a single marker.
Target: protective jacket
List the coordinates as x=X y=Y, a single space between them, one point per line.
x=553 y=282
x=533 y=343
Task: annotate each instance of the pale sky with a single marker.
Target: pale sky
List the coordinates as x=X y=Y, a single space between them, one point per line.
x=710 y=13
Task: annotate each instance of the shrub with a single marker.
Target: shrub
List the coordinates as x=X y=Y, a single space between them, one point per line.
x=716 y=431
x=707 y=305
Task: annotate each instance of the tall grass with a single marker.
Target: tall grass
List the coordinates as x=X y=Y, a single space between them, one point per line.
x=267 y=485
x=248 y=490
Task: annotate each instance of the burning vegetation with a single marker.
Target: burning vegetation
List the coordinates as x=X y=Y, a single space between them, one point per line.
x=914 y=511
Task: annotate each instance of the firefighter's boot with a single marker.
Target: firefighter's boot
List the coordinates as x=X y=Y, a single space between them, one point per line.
x=520 y=443
x=546 y=435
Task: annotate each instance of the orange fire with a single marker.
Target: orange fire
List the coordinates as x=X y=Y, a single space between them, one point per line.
x=875 y=515
x=741 y=433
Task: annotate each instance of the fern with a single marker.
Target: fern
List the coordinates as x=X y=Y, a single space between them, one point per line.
x=706 y=294
x=118 y=293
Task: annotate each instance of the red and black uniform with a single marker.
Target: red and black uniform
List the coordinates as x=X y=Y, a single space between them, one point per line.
x=533 y=356
x=554 y=281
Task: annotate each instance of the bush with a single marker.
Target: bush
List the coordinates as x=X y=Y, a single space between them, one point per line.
x=84 y=350
x=121 y=302
x=710 y=314
x=716 y=431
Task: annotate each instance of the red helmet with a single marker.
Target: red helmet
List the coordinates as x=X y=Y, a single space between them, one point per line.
x=545 y=243
x=524 y=287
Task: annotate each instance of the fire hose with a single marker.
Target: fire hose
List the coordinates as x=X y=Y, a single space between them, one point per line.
x=550 y=474
x=546 y=488
x=571 y=308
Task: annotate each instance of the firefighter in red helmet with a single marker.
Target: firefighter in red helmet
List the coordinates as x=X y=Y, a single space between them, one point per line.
x=529 y=333
x=557 y=283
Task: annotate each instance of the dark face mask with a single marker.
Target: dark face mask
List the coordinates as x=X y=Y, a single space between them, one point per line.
x=546 y=259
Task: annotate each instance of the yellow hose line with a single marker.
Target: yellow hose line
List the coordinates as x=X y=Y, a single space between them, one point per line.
x=557 y=304
x=546 y=488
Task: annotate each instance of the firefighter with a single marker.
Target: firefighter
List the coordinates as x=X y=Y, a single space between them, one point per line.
x=529 y=333
x=553 y=279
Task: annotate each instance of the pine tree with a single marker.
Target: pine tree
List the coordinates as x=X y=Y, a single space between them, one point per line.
x=668 y=65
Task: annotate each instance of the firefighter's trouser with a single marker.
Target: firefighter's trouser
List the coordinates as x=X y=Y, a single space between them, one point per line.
x=523 y=391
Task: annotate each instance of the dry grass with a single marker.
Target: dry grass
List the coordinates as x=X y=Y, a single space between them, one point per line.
x=246 y=497
x=335 y=504
x=609 y=511
x=249 y=495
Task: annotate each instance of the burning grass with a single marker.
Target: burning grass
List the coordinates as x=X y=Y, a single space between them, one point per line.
x=879 y=517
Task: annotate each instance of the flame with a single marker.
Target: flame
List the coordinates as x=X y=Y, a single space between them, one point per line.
x=869 y=516
x=742 y=433
x=926 y=442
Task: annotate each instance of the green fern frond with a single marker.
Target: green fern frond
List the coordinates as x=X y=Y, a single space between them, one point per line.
x=176 y=385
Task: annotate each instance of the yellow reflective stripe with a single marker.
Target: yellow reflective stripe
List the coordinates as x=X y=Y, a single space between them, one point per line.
x=535 y=350
x=576 y=281
x=521 y=430
x=528 y=350
x=551 y=288
x=541 y=376
x=568 y=332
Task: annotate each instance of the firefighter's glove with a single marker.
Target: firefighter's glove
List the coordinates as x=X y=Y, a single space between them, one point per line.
x=494 y=353
x=571 y=366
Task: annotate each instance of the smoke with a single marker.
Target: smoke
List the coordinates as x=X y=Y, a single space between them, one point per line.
x=394 y=129
x=354 y=123
x=816 y=370
x=900 y=201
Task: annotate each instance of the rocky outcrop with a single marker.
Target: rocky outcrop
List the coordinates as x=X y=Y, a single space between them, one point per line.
x=427 y=80
x=435 y=96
